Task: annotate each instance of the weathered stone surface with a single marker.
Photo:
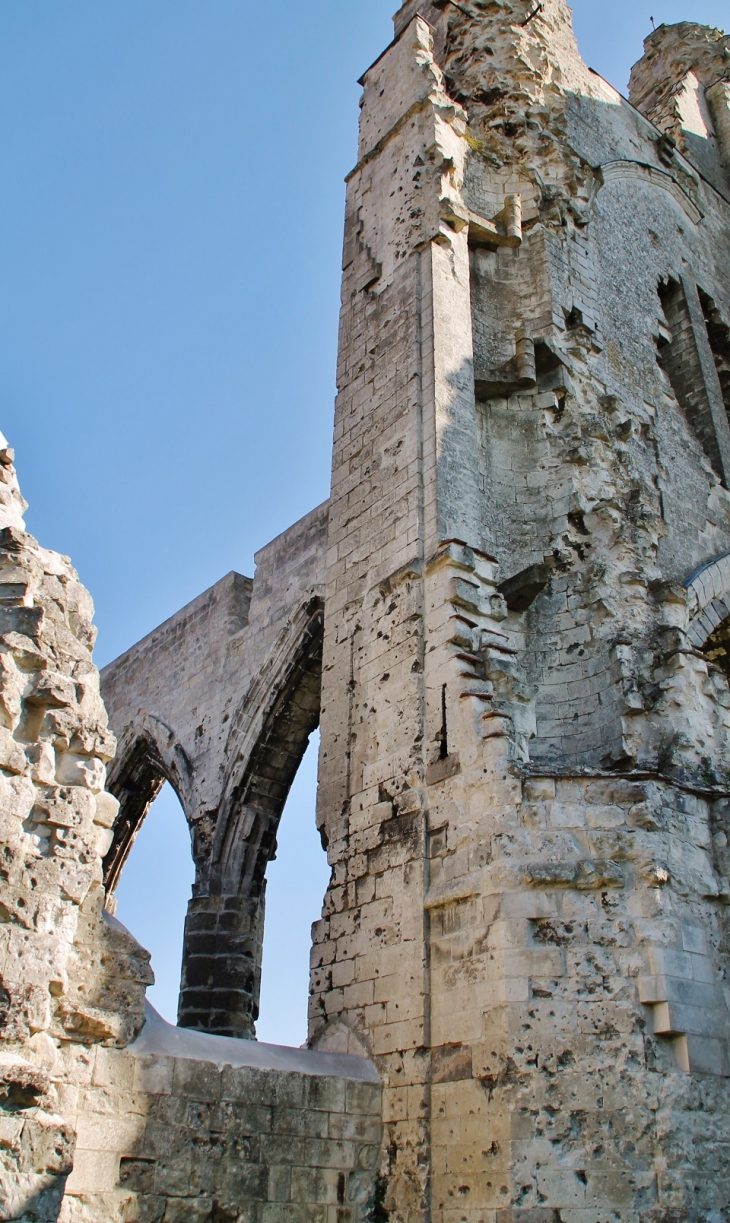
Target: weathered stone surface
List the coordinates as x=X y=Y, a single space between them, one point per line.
x=529 y=464
x=513 y=617
x=184 y=1125
x=95 y=1127
x=67 y=978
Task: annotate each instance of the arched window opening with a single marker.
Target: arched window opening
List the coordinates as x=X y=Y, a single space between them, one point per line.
x=220 y=988
x=296 y=882
x=717 y=647
x=153 y=892
x=135 y=778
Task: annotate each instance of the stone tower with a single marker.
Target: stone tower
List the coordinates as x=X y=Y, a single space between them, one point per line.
x=525 y=765
x=513 y=620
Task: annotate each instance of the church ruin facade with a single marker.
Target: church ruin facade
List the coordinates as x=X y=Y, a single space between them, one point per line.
x=511 y=621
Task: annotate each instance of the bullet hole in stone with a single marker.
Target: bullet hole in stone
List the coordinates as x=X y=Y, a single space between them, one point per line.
x=489 y=96
x=577 y=522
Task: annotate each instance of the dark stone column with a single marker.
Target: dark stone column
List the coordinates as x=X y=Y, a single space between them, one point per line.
x=221 y=969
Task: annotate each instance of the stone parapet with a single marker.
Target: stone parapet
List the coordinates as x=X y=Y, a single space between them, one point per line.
x=186 y=1127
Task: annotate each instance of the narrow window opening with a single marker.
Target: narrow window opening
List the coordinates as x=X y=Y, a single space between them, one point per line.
x=444 y=732
x=678 y=357
x=296 y=882
x=718 y=334
x=153 y=892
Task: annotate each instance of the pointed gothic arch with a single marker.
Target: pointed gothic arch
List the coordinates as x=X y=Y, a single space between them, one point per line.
x=708 y=590
x=267 y=741
x=147 y=756
x=278 y=731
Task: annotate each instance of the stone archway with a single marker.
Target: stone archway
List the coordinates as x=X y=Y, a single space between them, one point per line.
x=224 y=928
x=146 y=758
x=708 y=590
x=220 y=701
x=256 y=790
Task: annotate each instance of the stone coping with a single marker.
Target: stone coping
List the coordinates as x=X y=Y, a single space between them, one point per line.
x=160 y=1039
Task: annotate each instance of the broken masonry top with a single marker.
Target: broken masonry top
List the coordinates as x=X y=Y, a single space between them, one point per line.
x=671 y=52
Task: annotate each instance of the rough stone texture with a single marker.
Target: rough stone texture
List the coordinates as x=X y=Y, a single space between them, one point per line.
x=524 y=785
x=167 y=1134
x=681 y=84
x=94 y=1128
x=68 y=979
x=524 y=753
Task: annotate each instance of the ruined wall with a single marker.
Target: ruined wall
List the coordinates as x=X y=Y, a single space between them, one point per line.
x=681 y=84
x=97 y=1123
x=67 y=979
x=524 y=763
x=184 y=1126
x=220 y=701
x=524 y=754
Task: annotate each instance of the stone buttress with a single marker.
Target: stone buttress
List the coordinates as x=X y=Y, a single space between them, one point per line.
x=524 y=766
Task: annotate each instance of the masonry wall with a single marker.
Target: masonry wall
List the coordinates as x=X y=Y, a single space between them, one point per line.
x=211 y=1138
x=182 y=685
x=525 y=753
x=107 y=1113
x=523 y=756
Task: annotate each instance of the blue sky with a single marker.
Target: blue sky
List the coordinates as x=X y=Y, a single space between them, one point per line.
x=172 y=198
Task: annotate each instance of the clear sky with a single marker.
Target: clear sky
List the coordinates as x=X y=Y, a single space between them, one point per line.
x=172 y=197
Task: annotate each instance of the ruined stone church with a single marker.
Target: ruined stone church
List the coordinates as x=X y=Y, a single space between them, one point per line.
x=512 y=622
